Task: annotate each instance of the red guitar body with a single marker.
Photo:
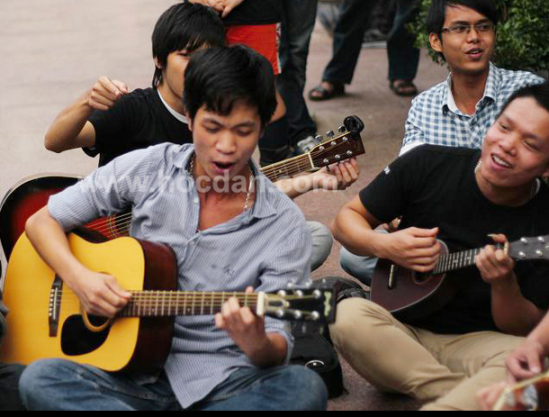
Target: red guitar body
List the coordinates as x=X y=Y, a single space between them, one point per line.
x=31 y=195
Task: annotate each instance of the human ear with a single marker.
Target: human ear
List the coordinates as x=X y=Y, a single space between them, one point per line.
x=436 y=42
x=157 y=64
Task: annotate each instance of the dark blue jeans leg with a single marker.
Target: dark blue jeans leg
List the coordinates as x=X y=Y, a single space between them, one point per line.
x=288 y=388
x=348 y=38
x=59 y=385
x=9 y=387
x=401 y=51
x=297 y=27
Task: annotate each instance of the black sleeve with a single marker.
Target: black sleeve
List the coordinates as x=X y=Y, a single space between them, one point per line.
x=389 y=195
x=112 y=128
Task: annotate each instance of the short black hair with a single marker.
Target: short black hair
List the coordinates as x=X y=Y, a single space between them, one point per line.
x=219 y=77
x=185 y=26
x=539 y=92
x=437 y=12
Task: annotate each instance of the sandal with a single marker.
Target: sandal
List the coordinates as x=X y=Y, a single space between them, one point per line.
x=319 y=93
x=403 y=88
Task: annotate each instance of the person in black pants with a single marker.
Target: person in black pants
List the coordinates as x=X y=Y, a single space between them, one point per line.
x=9 y=374
x=298 y=21
x=348 y=37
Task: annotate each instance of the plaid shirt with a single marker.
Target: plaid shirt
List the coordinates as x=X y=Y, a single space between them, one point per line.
x=435 y=119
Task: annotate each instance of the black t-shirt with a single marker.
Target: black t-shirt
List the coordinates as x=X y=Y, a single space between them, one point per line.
x=137 y=121
x=256 y=12
x=435 y=186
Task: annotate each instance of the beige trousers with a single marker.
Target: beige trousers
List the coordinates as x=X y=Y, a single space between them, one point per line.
x=446 y=372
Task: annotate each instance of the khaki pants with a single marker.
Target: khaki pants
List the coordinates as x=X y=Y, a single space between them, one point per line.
x=444 y=371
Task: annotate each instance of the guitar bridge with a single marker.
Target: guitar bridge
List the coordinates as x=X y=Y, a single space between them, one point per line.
x=392 y=277
x=55 y=306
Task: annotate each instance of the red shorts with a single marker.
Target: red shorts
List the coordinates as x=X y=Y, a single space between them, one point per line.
x=264 y=39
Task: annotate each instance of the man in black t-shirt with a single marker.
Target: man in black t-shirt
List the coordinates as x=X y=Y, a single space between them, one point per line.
x=110 y=121
x=459 y=196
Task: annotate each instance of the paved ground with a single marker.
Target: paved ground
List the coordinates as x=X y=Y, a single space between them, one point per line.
x=52 y=51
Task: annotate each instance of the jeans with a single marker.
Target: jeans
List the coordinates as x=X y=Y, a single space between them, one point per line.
x=56 y=384
x=9 y=382
x=360 y=267
x=322 y=244
x=349 y=35
x=297 y=27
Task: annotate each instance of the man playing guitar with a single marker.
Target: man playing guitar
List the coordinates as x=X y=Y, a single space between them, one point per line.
x=460 y=196
x=230 y=230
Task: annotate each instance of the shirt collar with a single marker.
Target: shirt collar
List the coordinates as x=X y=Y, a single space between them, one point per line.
x=490 y=91
x=174 y=113
x=265 y=189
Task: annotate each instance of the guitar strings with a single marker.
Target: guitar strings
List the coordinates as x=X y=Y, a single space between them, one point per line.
x=118 y=226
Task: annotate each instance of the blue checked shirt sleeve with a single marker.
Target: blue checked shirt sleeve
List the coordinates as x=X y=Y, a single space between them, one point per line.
x=107 y=191
x=290 y=263
x=414 y=135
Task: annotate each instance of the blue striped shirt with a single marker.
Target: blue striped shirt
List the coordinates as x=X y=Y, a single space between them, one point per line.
x=434 y=118
x=266 y=247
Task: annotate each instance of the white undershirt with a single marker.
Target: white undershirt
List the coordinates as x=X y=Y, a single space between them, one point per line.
x=174 y=113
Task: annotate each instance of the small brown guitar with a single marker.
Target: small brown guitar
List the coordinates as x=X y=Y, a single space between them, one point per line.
x=531 y=395
x=410 y=296
x=32 y=194
x=46 y=319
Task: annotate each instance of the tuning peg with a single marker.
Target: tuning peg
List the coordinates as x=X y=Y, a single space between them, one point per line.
x=330 y=134
x=315 y=316
x=309 y=284
x=342 y=129
x=280 y=314
x=290 y=286
x=298 y=315
x=282 y=293
x=319 y=138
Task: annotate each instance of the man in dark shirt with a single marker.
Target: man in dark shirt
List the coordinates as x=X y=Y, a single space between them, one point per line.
x=110 y=121
x=459 y=196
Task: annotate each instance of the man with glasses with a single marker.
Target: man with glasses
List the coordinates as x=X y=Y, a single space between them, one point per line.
x=459 y=111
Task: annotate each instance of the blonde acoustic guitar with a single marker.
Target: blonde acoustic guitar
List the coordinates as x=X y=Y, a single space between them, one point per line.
x=46 y=319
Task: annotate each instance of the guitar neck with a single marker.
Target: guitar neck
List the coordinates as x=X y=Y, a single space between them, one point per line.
x=455 y=261
x=523 y=250
x=182 y=303
x=288 y=168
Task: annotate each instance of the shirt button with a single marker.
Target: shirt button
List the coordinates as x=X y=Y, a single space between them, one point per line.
x=196 y=200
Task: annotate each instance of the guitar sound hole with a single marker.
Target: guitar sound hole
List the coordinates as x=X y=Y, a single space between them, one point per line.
x=77 y=340
x=422 y=279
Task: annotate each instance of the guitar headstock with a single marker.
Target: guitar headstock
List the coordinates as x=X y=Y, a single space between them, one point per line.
x=337 y=148
x=533 y=248
x=316 y=304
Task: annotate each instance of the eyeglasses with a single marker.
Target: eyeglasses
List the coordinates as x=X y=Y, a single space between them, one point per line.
x=481 y=28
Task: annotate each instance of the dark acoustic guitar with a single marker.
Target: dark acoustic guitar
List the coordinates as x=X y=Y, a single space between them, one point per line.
x=410 y=296
x=46 y=319
x=32 y=194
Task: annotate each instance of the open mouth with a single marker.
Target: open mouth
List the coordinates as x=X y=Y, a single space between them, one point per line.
x=501 y=163
x=224 y=166
x=475 y=53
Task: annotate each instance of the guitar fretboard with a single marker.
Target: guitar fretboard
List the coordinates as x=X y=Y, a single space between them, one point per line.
x=289 y=168
x=177 y=303
x=455 y=261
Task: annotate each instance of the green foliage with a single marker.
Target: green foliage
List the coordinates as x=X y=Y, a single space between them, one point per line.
x=523 y=34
